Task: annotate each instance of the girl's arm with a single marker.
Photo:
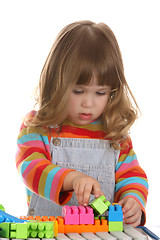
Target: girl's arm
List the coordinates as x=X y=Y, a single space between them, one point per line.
x=131 y=180
x=33 y=161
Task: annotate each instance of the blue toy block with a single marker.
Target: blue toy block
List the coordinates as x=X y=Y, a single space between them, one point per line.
x=5 y=217
x=115 y=213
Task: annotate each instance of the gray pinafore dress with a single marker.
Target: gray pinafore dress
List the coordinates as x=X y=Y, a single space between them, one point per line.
x=93 y=157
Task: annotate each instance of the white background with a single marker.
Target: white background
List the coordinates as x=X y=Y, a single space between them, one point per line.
x=27 y=31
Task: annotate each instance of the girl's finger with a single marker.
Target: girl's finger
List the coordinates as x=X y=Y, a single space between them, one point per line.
x=97 y=189
x=86 y=195
x=136 y=218
x=80 y=193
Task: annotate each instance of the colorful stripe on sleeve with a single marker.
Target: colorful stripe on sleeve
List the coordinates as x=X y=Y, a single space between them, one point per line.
x=33 y=161
x=131 y=180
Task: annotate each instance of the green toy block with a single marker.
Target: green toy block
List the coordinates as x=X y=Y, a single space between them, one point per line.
x=40 y=229
x=5 y=229
x=115 y=226
x=99 y=205
x=2 y=208
x=19 y=230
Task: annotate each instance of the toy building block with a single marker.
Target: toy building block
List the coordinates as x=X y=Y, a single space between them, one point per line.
x=5 y=217
x=14 y=230
x=44 y=219
x=23 y=218
x=100 y=205
x=55 y=227
x=98 y=226
x=60 y=221
x=86 y=215
x=70 y=214
x=30 y=218
x=38 y=218
x=2 y=208
x=5 y=230
x=115 y=226
x=52 y=218
x=19 y=230
x=40 y=229
x=115 y=213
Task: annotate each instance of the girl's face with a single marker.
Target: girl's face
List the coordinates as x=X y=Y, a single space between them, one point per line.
x=87 y=102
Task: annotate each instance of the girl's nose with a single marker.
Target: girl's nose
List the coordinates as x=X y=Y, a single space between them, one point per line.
x=87 y=101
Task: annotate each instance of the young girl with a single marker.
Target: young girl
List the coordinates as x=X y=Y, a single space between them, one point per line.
x=76 y=144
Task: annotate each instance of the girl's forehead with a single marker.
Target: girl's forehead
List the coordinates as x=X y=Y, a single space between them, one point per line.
x=92 y=82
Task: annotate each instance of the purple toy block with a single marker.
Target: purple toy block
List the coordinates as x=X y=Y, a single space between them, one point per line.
x=86 y=215
x=70 y=214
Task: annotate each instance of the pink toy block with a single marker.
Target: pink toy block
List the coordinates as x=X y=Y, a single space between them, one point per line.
x=70 y=214
x=86 y=215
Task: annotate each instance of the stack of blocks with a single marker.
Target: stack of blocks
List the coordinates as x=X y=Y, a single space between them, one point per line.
x=12 y=227
x=27 y=230
x=74 y=215
x=75 y=219
x=115 y=218
x=115 y=214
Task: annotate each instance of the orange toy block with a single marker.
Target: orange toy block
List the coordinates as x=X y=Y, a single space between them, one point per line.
x=55 y=229
x=45 y=218
x=52 y=218
x=23 y=217
x=27 y=218
x=98 y=226
x=60 y=221
x=38 y=218
x=101 y=225
x=30 y=218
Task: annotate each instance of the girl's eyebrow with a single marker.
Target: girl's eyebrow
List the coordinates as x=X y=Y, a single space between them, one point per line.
x=104 y=87
x=98 y=87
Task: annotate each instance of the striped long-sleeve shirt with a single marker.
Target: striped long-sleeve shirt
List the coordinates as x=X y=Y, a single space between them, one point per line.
x=41 y=176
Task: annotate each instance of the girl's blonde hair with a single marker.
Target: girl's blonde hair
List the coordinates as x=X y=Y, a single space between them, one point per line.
x=82 y=49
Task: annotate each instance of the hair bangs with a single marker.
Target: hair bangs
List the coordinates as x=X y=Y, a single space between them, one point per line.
x=95 y=56
x=104 y=76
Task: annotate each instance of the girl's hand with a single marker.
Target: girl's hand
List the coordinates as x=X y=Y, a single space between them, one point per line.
x=83 y=186
x=132 y=212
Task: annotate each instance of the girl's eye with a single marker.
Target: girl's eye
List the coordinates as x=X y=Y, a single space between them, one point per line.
x=100 y=93
x=77 y=91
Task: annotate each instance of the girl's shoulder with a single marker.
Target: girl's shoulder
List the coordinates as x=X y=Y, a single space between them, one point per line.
x=27 y=127
x=126 y=146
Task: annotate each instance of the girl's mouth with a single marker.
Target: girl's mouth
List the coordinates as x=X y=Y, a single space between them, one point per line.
x=85 y=116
